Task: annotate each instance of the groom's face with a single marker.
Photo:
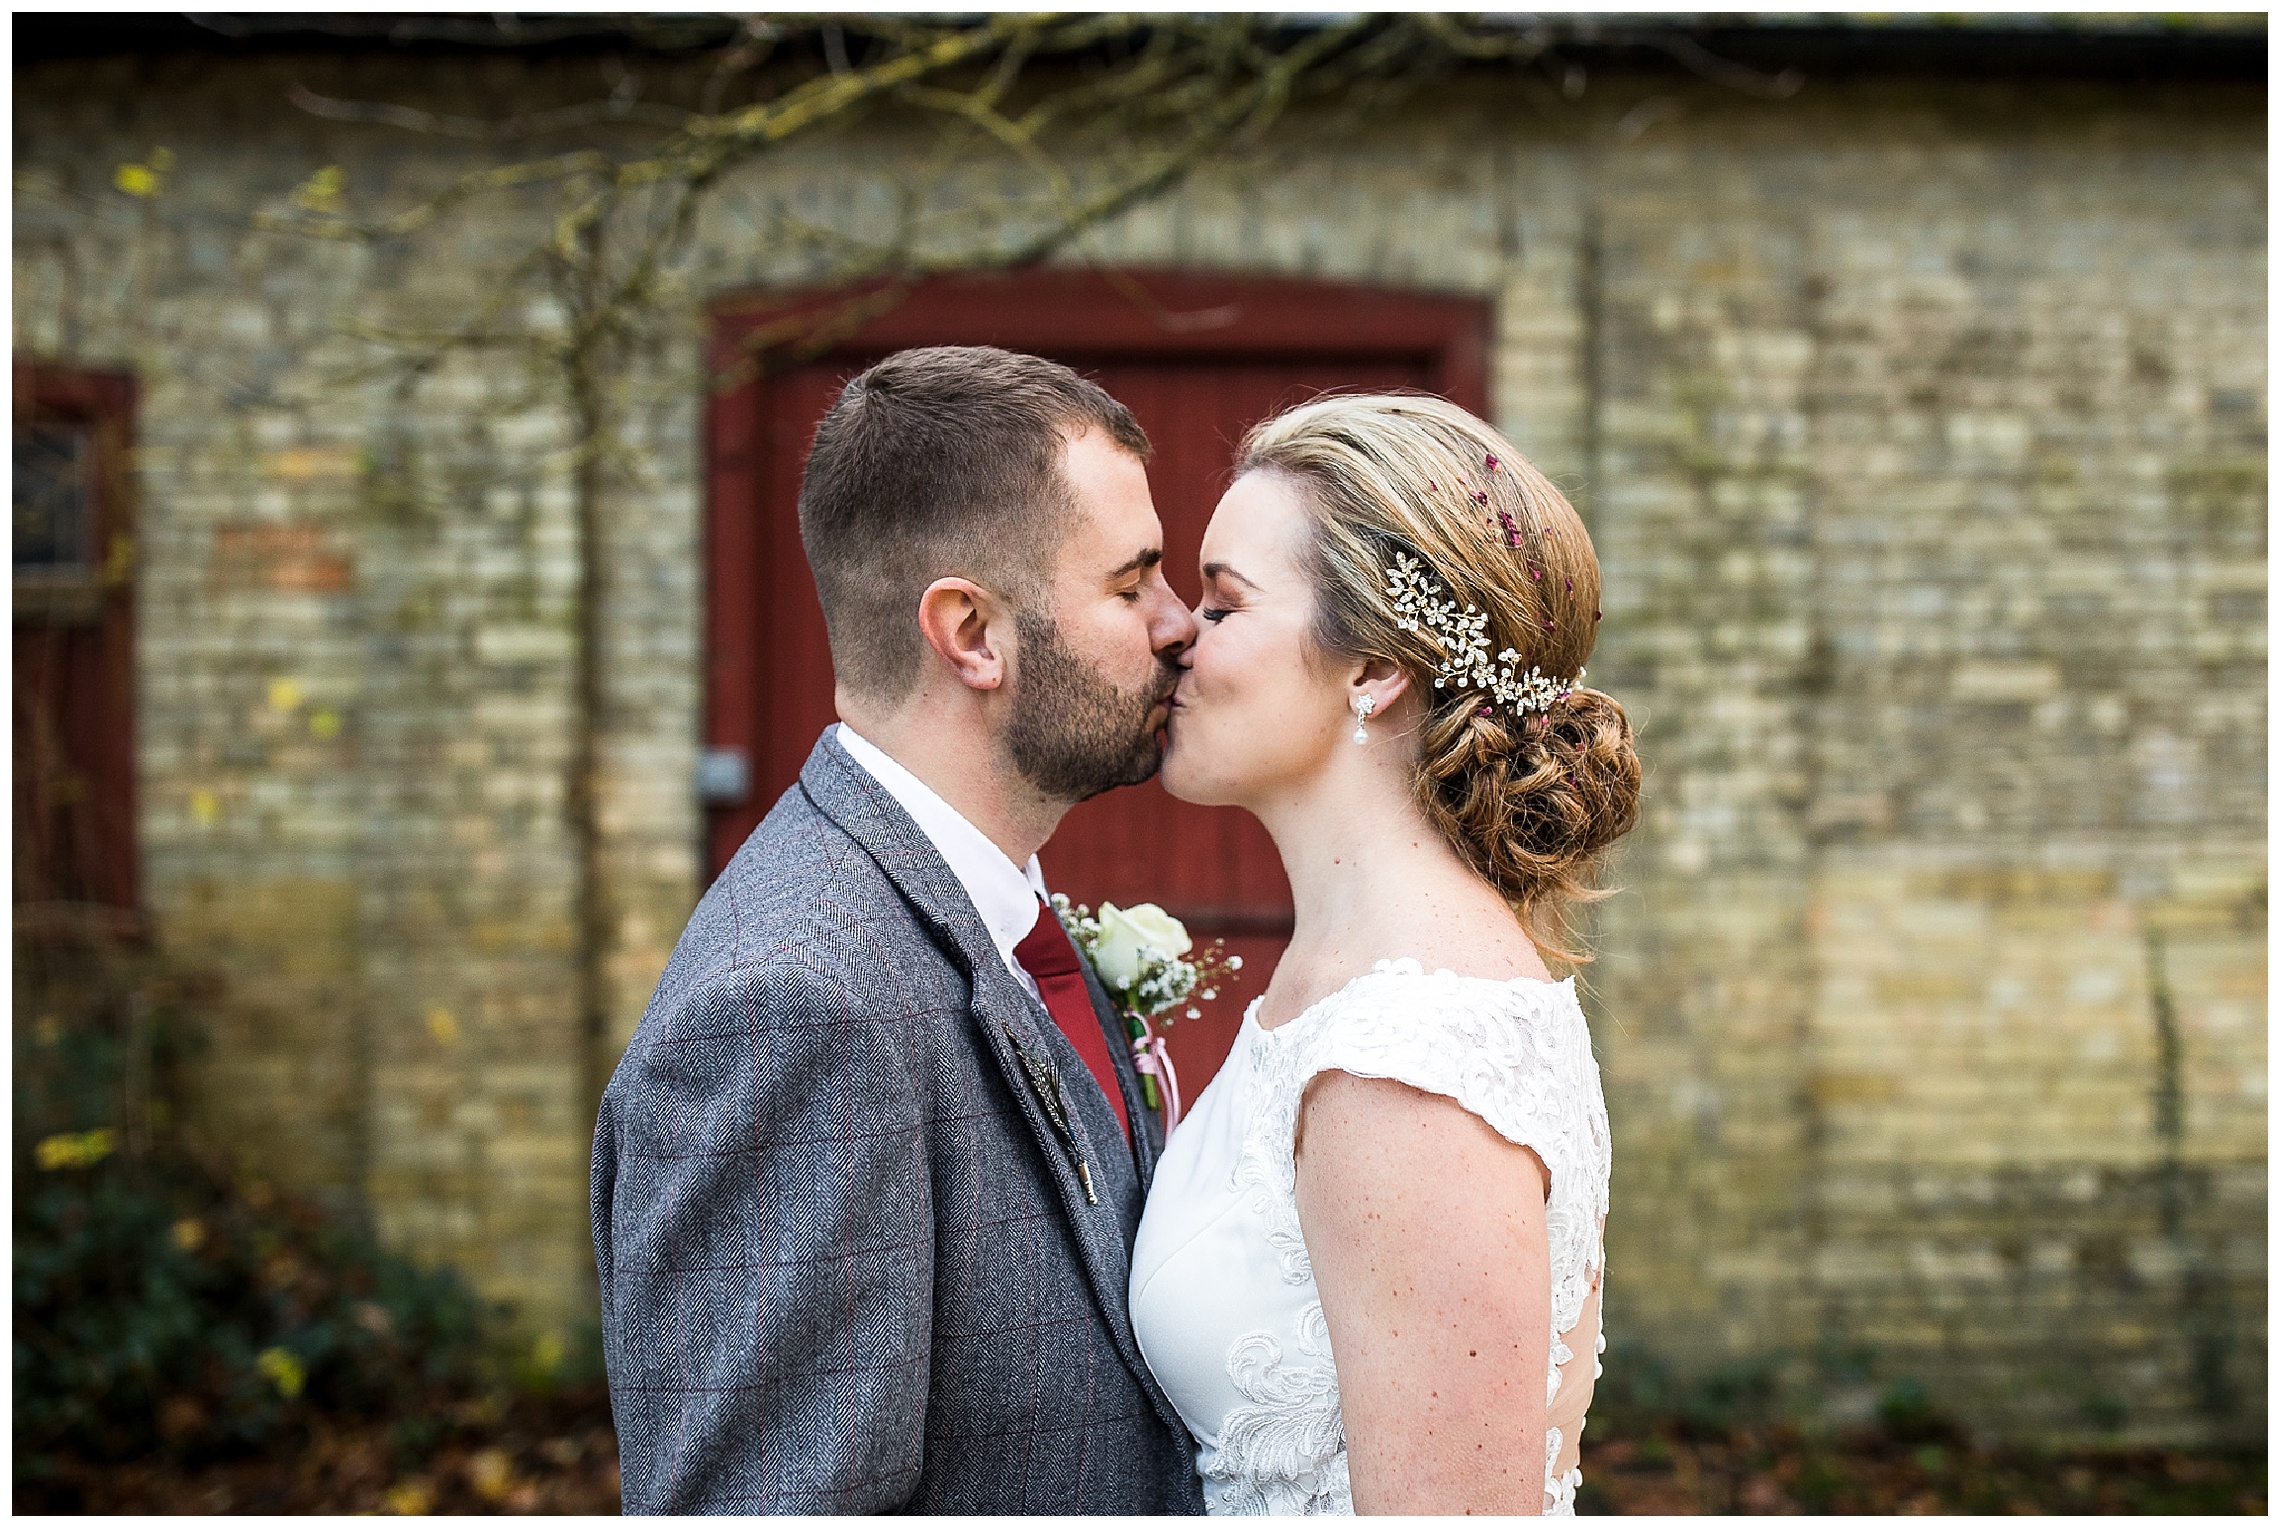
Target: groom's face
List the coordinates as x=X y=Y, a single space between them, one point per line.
x=1094 y=668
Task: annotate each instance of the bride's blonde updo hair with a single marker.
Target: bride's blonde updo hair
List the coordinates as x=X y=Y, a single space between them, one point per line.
x=1531 y=800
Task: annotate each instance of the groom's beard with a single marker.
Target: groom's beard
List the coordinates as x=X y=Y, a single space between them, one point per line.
x=1073 y=734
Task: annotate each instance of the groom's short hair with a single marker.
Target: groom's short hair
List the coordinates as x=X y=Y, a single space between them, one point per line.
x=938 y=463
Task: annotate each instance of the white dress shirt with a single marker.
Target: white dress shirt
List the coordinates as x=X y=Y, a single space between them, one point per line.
x=1003 y=893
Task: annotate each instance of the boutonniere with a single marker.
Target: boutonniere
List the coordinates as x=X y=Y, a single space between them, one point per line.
x=1141 y=955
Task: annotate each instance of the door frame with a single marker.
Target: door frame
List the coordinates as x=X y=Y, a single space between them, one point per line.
x=1124 y=314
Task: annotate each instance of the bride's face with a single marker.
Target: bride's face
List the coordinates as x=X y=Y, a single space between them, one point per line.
x=1251 y=714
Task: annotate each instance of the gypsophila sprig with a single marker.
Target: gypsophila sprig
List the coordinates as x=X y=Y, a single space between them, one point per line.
x=1422 y=604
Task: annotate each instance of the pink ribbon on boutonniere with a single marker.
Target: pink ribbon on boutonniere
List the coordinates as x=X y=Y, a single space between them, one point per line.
x=1153 y=1058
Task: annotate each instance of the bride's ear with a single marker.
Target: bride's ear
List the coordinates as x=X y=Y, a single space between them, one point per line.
x=1382 y=682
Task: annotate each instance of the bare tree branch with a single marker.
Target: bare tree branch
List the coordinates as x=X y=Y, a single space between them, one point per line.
x=619 y=106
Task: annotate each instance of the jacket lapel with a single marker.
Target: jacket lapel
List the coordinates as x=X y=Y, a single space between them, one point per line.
x=1008 y=1022
x=1147 y=1140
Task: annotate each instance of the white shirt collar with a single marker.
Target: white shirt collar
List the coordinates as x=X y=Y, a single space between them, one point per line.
x=1004 y=894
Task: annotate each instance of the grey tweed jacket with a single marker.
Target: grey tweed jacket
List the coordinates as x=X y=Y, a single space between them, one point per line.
x=848 y=1260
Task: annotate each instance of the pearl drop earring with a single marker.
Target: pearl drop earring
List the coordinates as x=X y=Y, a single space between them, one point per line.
x=1363 y=706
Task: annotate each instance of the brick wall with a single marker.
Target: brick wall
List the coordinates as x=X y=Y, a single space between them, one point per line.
x=1921 y=429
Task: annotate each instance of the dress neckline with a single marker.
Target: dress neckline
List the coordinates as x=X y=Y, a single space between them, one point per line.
x=1403 y=966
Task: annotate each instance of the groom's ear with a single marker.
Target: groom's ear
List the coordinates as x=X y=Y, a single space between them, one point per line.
x=967 y=628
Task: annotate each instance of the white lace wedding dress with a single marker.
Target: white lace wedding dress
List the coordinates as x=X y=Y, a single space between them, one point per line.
x=1223 y=1295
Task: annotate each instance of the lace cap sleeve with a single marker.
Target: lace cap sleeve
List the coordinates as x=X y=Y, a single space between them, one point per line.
x=1517 y=1054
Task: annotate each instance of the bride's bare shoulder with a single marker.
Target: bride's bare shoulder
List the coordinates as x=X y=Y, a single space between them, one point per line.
x=1469 y=932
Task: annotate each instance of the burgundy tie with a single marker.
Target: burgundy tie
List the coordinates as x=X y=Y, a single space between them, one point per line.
x=1051 y=961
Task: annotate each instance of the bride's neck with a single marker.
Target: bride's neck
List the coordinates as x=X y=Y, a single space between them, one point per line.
x=1361 y=858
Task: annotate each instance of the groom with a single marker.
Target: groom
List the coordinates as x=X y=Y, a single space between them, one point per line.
x=866 y=1182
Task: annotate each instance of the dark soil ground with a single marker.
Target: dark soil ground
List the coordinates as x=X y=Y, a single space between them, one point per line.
x=558 y=1455
x=530 y=1455
x=1775 y=1470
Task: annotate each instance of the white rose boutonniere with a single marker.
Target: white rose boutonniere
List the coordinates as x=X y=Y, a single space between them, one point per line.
x=1140 y=955
x=1133 y=938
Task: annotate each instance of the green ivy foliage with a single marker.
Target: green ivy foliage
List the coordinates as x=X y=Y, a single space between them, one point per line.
x=163 y=1309
x=156 y=1310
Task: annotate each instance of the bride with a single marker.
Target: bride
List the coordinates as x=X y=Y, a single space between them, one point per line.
x=1368 y=1272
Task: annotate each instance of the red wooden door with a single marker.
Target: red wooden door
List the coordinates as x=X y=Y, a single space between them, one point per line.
x=74 y=810
x=1198 y=360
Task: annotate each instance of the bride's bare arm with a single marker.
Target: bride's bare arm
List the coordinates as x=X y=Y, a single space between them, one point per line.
x=1426 y=1231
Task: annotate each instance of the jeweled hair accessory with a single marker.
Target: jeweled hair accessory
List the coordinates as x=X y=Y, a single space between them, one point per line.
x=1419 y=605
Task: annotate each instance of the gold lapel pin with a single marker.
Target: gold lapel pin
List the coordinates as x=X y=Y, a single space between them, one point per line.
x=1045 y=1081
